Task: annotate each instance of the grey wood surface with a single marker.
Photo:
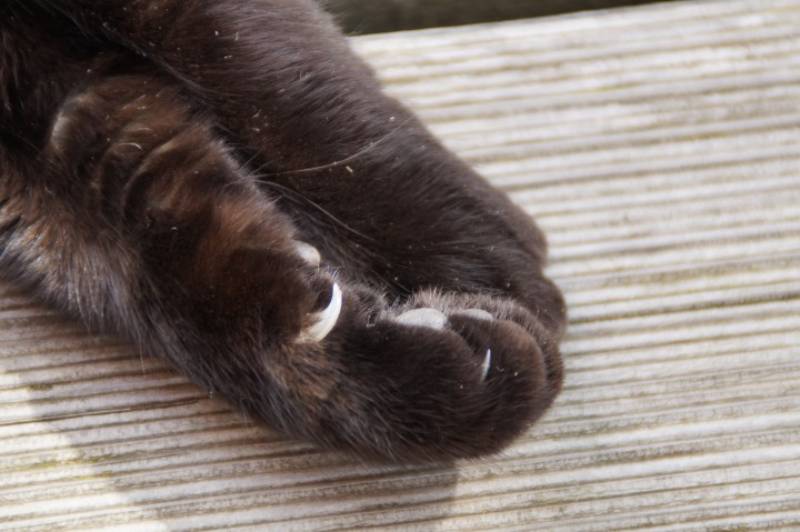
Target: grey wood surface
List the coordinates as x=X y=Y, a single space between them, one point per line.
x=659 y=147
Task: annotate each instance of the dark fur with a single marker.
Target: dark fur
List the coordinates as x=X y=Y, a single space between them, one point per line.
x=159 y=160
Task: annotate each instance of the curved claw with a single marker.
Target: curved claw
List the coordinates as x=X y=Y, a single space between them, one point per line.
x=477 y=313
x=325 y=319
x=487 y=363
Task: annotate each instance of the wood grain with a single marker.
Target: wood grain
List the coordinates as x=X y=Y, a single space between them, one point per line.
x=659 y=147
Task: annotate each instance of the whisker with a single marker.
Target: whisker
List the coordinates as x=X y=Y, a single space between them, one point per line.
x=294 y=195
x=363 y=151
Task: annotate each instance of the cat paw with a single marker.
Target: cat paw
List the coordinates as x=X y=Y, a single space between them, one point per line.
x=442 y=377
x=438 y=377
x=471 y=315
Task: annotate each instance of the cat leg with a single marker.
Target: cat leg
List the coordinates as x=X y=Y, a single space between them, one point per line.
x=417 y=372
x=395 y=204
x=137 y=219
x=313 y=121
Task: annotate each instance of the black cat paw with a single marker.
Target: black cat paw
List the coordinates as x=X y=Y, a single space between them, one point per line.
x=439 y=376
x=474 y=377
x=473 y=315
x=443 y=376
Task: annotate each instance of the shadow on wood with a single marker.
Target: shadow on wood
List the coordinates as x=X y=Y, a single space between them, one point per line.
x=375 y=16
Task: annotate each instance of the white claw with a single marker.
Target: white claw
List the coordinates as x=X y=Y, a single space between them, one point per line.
x=309 y=253
x=478 y=314
x=487 y=363
x=325 y=319
x=423 y=317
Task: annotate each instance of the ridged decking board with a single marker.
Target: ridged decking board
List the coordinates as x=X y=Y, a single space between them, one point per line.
x=659 y=147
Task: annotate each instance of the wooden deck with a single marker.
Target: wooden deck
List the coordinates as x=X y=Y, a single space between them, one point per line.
x=659 y=147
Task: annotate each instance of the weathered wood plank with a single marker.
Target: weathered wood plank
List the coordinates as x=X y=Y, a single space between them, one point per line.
x=660 y=149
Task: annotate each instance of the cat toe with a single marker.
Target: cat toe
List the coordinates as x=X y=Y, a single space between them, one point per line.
x=308 y=253
x=423 y=317
x=326 y=319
